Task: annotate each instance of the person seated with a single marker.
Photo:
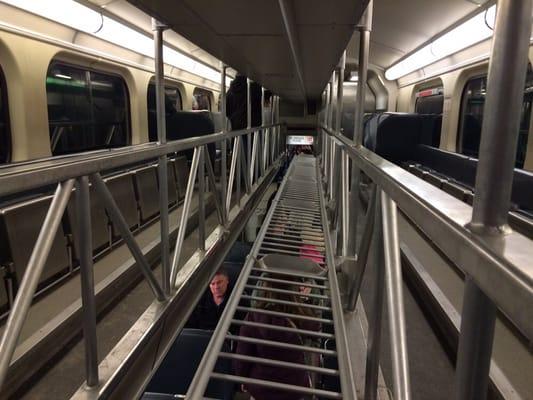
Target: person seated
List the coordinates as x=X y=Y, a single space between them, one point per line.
x=270 y=295
x=212 y=304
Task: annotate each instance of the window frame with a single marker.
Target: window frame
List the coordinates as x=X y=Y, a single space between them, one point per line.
x=463 y=106
x=207 y=93
x=439 y=92
x=5 y=157
x=89 y=70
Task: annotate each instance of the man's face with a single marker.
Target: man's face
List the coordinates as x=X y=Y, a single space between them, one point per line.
x=219 y=285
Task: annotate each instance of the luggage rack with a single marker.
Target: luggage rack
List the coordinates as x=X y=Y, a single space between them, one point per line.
x=294 y=226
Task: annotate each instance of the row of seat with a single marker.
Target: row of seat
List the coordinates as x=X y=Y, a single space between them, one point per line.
x=520 y=220
x=136 y=194
x=414 y=138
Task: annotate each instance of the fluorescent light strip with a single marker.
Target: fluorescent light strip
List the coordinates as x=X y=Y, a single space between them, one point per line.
x=465 y=35
x=85 y=19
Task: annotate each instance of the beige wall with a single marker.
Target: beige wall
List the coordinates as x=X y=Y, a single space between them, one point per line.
x=25 y=63
x=453 y=83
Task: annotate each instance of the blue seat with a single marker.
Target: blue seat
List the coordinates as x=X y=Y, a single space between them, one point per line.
x=179 y=366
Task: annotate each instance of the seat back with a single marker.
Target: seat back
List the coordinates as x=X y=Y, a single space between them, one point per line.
x=179 y=366
x=171 y=182
x=147 y=191
x=182 y=175
x=99 y=221
x=20 y=225
x=123 y=191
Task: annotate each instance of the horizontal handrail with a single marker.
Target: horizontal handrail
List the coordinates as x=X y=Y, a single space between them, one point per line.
x=26 y=176
x=501 y=266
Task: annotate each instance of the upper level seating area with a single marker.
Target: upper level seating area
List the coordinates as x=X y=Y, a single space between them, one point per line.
x=135 y=190
x=411 y=140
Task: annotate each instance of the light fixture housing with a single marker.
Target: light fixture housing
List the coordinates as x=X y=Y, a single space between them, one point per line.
x=470 y=32
x=84 y=19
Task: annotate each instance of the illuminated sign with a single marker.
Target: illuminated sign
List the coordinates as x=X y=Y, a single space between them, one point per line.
x=300 y=140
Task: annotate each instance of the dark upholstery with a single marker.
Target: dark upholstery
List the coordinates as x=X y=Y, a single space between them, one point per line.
x=99 y=221
x=171 y=182
x=147 y=191
x=121 y=187
x=188 y=124
x=20 y=225
x=177 y=369
x=182 y=175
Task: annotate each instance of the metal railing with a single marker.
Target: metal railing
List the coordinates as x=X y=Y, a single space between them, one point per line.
x=79 y=170
x=297 y=208
x=495 y=260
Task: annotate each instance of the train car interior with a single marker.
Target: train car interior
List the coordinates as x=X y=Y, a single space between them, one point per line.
x=266 y=200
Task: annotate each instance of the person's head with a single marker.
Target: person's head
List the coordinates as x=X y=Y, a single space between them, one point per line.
x=219 y=284
x=291 y=292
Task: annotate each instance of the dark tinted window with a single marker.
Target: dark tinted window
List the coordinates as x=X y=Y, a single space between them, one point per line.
x=472 y=105
x=4 y=121
x=429 y=101
x=87 y=110
x=202 y=100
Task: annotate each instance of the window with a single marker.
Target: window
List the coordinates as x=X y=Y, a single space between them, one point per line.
x=87 y=110
x=472 y=105
x=4 y=122
x=201 y=99
x=173 y=103
x=429 y=101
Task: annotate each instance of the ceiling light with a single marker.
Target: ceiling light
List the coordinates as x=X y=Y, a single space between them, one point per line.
x=85 y=19
x=470 y=32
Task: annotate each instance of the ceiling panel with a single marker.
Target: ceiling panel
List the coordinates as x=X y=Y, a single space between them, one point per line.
x=249 y=36
x=399 y=27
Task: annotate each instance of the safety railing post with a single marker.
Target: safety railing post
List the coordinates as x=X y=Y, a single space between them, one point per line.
x=376 y=313
x=193 y=173
x=29 y=282
x=339 y=212
x=364 y=27
x=233 y=173
x=249 y=135
x=364 y=248
x=497 y=153
x=224 y=144
x=162 y=166
x=332 y=146
x=120 y=223
x=85 y=253
x=394 y=288
x=201 y=200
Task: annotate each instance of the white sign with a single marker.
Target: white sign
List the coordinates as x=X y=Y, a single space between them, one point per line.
x=300 y=140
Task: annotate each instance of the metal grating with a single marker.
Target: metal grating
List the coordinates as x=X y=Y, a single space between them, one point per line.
x=294 y=226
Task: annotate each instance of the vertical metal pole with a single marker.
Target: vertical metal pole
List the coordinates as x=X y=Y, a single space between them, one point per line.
x=272 y=130
x=332 y=146
x=345 y=210
x=185 y=214
x=394 y=285
x=263 y=133
x=326 y=136
x=278 y=130
x=497 y=153
x=162 y=166
x=364 y=27
x=201 y=200
x=224 y=144
x=249 y=125
x=85 y=252
x=339 y=213
x=238 y=172
x=233 y=174
x=375 y=318
x=38 y=257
